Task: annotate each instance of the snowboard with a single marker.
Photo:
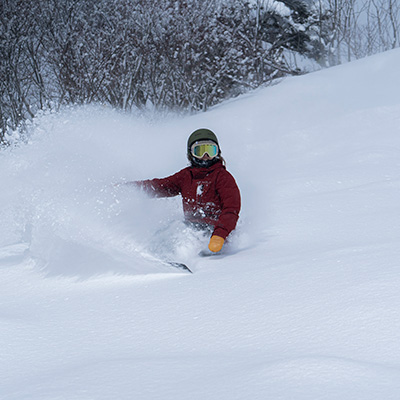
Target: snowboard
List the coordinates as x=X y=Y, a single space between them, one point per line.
x=178 y=265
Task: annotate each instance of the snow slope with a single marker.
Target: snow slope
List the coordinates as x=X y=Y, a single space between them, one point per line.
x=304 y=305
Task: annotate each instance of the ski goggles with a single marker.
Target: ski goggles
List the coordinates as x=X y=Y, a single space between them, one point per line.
x=199 y=149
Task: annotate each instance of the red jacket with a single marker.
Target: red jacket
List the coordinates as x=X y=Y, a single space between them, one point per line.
x=209 y=195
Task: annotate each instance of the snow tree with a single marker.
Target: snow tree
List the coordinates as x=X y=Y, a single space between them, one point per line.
x=358 y=29
x=19 y=65
x=172 y=54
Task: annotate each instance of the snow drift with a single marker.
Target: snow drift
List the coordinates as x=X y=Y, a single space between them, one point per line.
x=305 y=304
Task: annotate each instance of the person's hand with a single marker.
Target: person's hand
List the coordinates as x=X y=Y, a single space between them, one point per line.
x=216 y=243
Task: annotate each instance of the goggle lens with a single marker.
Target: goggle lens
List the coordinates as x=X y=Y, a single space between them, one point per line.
x=199 y=149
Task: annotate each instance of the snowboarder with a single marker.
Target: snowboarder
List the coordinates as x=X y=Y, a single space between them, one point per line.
x=210 y=195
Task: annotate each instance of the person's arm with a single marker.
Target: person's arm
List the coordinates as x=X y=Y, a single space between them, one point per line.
x=165 y=187
x=230 y=197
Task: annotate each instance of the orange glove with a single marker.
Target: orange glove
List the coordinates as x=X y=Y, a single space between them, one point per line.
x=216 y=243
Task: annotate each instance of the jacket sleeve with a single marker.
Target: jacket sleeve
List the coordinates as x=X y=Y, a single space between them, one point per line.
x=165 y=187
x=230 y=197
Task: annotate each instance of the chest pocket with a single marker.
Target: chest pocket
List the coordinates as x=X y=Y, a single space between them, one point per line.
x=201 y=191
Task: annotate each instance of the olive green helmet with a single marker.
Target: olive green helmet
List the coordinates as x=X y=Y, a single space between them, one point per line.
x=201 y=134
x=197 y=135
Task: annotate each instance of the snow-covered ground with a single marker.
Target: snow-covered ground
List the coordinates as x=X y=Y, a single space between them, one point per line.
x=305 y=304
